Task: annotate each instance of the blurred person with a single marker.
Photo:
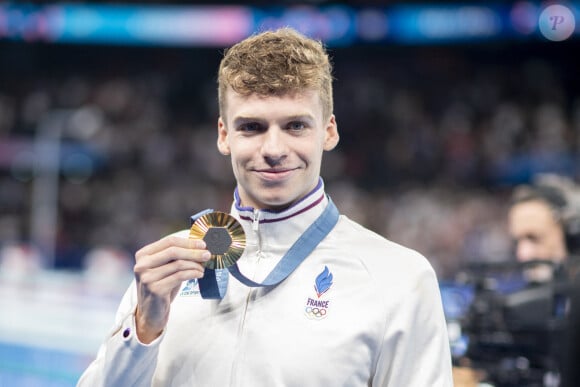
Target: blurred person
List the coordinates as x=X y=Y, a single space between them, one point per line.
x=359 y=310
x=544 y=222
x=105 y=268
x=20 y=261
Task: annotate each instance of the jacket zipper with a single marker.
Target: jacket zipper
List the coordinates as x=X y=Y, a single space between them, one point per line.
x=256 y=228
x=256 y=220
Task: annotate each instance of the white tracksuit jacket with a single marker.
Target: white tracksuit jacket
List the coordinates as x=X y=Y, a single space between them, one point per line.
x=373 y=318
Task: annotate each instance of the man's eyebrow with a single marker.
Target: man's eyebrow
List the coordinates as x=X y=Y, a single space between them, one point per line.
x=295 y=117
x=242 y=120
x=299 y=117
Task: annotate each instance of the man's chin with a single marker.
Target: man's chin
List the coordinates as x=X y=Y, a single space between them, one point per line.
x=539 y=274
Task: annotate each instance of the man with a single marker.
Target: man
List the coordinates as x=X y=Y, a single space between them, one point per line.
x=358 y=311
x=541 y=222
x=544 y=221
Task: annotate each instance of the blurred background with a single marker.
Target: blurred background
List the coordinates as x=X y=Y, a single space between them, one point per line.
x=108 y=126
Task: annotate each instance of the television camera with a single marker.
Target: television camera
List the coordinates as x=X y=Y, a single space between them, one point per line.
x=517 y=333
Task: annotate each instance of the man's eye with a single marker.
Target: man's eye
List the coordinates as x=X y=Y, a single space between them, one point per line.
x=296 y=125
x=250 y=127
x=533 y=238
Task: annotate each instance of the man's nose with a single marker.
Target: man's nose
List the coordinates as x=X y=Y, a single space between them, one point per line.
x=525 y=251
x=274 y=148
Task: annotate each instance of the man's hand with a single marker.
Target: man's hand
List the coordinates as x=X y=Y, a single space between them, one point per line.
x=160 y=269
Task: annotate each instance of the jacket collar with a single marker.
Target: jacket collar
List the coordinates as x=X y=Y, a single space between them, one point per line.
x=314 y=199
x=269 y=234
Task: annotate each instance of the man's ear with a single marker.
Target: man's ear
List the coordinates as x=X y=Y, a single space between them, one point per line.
x=331 y=136
x=222 y=140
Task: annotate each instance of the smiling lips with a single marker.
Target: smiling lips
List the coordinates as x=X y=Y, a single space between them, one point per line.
x=274 y=174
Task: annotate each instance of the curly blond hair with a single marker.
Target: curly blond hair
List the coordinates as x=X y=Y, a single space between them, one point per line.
x=276 y=63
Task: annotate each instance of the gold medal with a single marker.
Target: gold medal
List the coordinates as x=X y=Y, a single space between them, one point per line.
x=224 y=237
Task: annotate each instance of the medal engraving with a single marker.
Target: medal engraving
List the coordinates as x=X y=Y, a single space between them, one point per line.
x=217 y=240
x=224 y=237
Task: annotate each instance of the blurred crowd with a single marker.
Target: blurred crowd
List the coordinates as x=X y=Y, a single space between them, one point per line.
x=432 y=142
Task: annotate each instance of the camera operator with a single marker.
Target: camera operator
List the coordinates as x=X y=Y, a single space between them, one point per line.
x=544 y=222
x=530 y=337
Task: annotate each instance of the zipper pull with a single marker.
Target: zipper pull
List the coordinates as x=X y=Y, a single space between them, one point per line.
x=256 y=221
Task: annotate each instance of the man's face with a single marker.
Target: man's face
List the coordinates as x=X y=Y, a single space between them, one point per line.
x=537 y=235
x=276 y=145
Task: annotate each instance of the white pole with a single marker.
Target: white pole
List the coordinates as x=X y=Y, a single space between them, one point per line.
x=45 y=186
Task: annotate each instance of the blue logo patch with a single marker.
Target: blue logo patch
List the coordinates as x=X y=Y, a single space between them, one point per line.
x=323 y=282
x=317 y=309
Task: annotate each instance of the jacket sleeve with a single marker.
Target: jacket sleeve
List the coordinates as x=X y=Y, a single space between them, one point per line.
x=122 y=360
x=415 y=349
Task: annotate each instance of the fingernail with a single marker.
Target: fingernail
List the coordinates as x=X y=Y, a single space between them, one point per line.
x=206 y=255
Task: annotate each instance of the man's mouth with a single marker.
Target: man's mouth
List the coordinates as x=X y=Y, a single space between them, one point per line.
x=275 y=174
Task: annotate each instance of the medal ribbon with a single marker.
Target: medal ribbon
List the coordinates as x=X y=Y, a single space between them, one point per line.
x=214 y=283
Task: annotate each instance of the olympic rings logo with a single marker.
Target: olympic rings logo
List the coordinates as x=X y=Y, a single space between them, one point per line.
x=315 y=313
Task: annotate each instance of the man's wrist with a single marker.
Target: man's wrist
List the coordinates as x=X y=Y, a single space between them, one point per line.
x=146 y=334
